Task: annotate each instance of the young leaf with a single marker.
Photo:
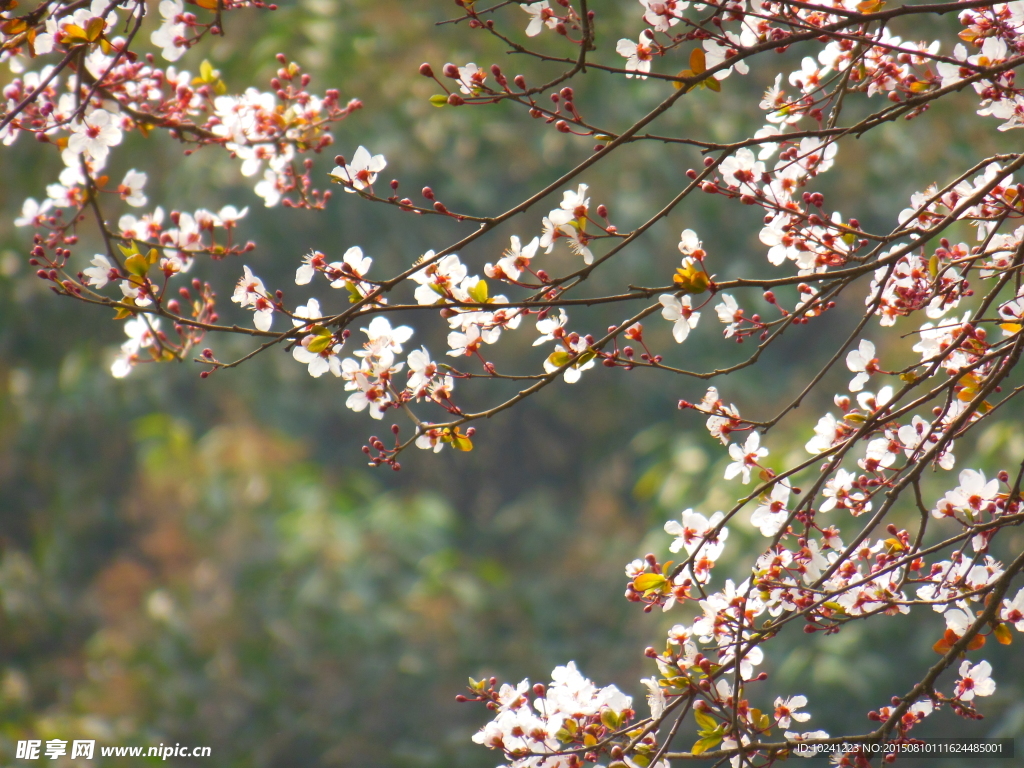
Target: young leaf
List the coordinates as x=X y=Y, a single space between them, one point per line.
x=646 y=581
x=698 y=63
x=706 y=743
x=706 y=722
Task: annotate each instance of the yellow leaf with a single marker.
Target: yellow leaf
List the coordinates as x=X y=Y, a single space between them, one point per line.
x=13 y=27
x=919 y=87
x=968 y=35
x=1003 y=634
x=933 y=266
x=461 y=442
x=713 y=84
x=682 y=73
x=74 y=33
x=589 y=739
x=210 y=5
x=646 y=581
x=691 y=278
x=94 y=29
x=698 y=63
x=871 y=6
x=1011 y=328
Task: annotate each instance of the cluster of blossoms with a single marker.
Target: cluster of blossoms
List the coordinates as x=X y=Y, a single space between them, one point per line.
x=87 y=118
x=79 y=87
x=533 y=724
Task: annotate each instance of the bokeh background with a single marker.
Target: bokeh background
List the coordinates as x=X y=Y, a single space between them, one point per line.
x=212 y=563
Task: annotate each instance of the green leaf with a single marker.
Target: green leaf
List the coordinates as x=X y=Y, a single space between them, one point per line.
x=611 y=719
x=706 y=722
x=137 y=265
x=708 y=742
x=479 y=292
x=559 y=357
x=128 y=250
x=319 y=344
x=439 y=100
x=585 y=358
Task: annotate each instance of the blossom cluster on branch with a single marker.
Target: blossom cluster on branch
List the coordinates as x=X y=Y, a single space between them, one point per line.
x=947 y=272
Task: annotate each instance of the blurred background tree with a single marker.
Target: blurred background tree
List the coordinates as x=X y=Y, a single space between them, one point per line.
x=212 y=563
